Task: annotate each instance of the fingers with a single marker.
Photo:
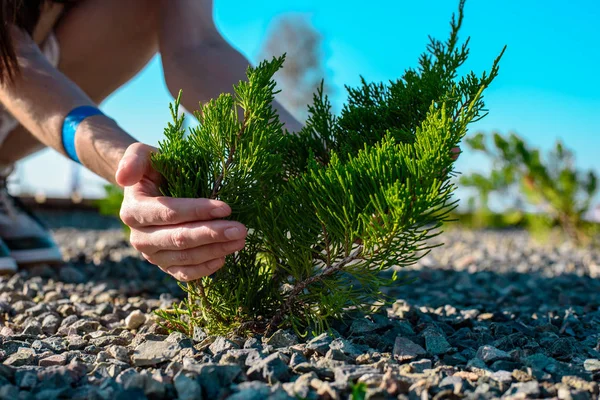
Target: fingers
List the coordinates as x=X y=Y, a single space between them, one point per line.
x=171 y=211
x=191 y=273
x=151 y=240
x=196 y=256
x=134 y=164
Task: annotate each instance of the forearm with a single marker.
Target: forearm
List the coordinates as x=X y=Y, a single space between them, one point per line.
x=40 y=97
x=206 y=71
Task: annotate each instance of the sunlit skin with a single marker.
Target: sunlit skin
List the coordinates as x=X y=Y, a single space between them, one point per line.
x=105 y=43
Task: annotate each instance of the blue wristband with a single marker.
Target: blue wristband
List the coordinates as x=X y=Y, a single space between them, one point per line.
x=69 y=128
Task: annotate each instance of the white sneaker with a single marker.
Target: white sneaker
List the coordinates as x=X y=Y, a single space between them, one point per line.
x=8 y=265
x=28 y=241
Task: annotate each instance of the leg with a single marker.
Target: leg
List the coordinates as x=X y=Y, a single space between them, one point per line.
x=103 y=43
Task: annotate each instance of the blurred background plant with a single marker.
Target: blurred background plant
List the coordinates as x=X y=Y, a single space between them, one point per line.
x=547 y=190
x=110 y=205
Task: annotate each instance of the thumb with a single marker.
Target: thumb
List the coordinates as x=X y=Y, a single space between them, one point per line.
x=134 y=164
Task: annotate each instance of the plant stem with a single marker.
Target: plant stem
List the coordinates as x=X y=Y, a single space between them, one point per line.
x=217 y=186
x=299 y=287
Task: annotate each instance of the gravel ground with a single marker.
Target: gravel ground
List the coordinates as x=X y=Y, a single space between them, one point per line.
x=492 y=315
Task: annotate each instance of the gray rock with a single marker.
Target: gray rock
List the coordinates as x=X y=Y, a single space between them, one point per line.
x=187 y=388
x=489 y=354
x=84 y=326
x=56 y=344
x=406 y=350
x=345 y=347
x=502 y=376
x=33 y=328
x=153 y=386
x=300 y=388
x=26 y=379
x=135 y=319
x=182 y=340
x=55 y=359
x=591 y=365
x=362 y=326
x=523 y=390
x=120 y=353
x=455 y=382
x=320 y=344
x=252 y=343
x=23 y=356
x=241 y=357
x=338 y=355
x=50 y=324
x=199 y=335
x=253 y=390
x=76 y=342
x=9 y=392
x=282 y=338
x=62 y=376
x=421 y=365
x=538 y=361
x=215 y=379
x=435 y=342
x=347 y=373
x=221 y=345
x=72 y=275
x=272 y=369
x=297 y=358
x=154 y=352
x=130 y=379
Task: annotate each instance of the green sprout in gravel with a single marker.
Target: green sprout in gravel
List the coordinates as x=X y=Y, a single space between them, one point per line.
x=327 y=208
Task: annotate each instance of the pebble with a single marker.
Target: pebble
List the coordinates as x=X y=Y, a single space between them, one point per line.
x=23 y=356
x=154 y=352
x=421 y=365
x=55 y=359
x=406 y=350
x=519 y=321
x=436 y=343
x=135 y=319
x=490 y=354
x=592 y=365
x=222 y=345
x=271 y=369
x=282 y=338
x=320 y=344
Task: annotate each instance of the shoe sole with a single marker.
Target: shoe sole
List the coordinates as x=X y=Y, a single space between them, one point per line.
x=7 y=265
x=49 y=255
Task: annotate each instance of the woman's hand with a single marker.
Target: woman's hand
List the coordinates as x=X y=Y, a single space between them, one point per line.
x=184 y=237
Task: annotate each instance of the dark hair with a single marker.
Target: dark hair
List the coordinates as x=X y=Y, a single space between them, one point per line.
x=24 y=14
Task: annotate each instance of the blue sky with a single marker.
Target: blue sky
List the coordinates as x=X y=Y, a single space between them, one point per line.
x=548 y=87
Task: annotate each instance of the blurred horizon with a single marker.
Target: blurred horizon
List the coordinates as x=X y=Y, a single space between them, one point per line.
x=547 y=88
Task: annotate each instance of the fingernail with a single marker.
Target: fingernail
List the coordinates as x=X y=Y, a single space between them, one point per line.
x=233 y=233
x=219 y=212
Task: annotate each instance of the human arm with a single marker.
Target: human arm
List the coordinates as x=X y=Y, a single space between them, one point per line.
x=197 y=59
x=40 y=97
x=180 y=235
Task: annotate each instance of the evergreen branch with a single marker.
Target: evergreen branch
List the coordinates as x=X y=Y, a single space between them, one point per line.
x=299 y=287
x=230 y=159
x=206 y=302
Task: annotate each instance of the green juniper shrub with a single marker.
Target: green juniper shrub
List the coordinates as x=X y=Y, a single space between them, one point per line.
x=327 y=208
x=551 y=185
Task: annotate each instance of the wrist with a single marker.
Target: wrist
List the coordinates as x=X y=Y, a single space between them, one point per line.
x=100 y=144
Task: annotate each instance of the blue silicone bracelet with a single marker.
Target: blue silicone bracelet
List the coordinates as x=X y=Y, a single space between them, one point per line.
x=69 y=128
